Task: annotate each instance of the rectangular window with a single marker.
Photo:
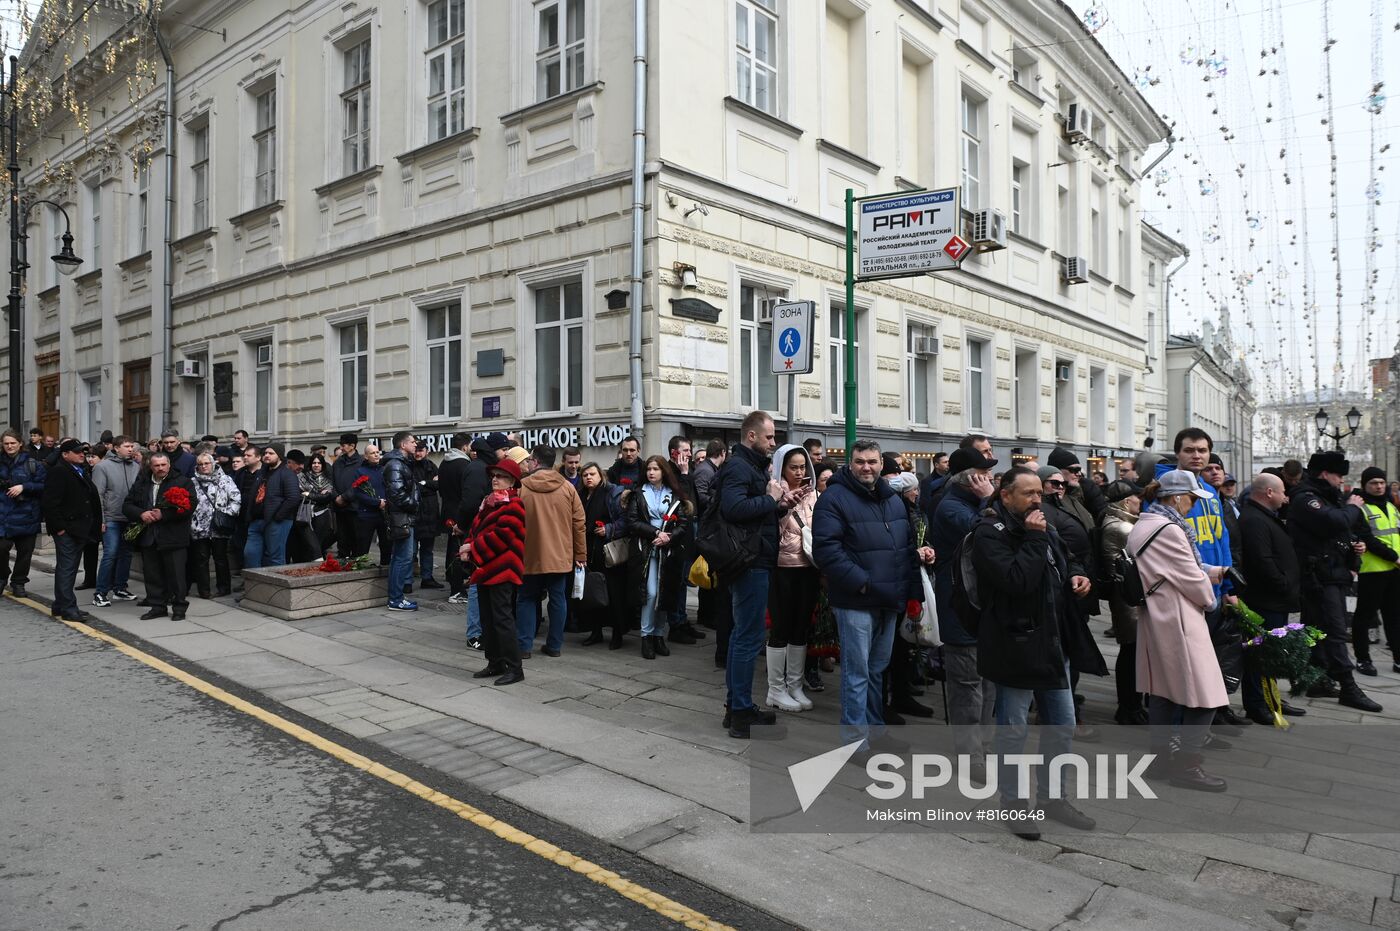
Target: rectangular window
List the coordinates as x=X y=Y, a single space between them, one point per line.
x=199 y=178
x=1098 y=228
x=972 y=30
x=559 y=347
x=1152 y=274
x=198 y=396
x=756 y=54
x=921 y=367
x=1151 y=336
x=1125 y=411
x=1098 y=406
x=977 y=358
x=353 y=339
x=94 y=199
x=265 y=147
x=1125 y=235
x=1020 y=173
x=973 y=109
x=447 y=68
x=444 y=330
x=758 y=386
x=1025 y=70
x=262 y=386
x=136 y=400
x=354 y=107
x=92 y=405
x=916 y=120
x=143 y=205
x=1026 y=403
x=559 y=47
x=1064 y=399
x=836 y=356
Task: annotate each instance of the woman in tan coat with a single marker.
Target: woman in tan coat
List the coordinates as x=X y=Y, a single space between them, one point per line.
x=1176 y=664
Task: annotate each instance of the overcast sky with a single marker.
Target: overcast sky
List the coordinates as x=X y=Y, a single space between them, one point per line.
x=1270 y=217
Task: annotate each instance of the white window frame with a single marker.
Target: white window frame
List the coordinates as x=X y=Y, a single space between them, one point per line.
x=1025 y=398
x=916 y=327
x=768 y=286
x=527 y=283
x=265 y=150
x=1125 y=410
x=836 y=348
x=254 y=368
x=356 y=103
x=195 y=391
x=747 y=15
x=335 y=367
x=972 y=146
x=1025 y=69
x=447 y=344
x=91 y=402
x=1020 y=192
x=422 y=388
x=984 y=370
x=1069 y=410
x=1098 y=404
x=1125 y=241
x=567 y=53
x=1098 y=226
x=558 y=331
x=452 y=99
x=93 y=192
x=142 y=232
x=199 y=175
x=965 y=13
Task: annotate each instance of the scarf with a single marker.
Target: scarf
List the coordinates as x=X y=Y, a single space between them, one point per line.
x=1170 y=513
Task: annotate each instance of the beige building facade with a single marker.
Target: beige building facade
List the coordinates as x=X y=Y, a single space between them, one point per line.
x=420 y=217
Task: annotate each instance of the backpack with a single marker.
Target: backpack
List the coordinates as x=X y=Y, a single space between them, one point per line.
x=967 y=598
x=1127 y=580
x=727 y=549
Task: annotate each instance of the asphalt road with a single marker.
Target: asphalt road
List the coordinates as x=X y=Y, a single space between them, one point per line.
x=130 y=801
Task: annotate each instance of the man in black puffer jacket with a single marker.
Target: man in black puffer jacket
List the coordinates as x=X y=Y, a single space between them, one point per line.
x=746 y=504
x=863 y=541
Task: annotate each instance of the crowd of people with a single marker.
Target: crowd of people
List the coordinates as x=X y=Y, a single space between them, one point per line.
x=786 y=547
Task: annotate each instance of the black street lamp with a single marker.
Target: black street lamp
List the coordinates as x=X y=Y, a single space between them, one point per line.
x=66 y=260
x=1336 y=436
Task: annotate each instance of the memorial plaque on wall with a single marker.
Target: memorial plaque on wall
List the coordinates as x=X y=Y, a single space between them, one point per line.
x=223 y=387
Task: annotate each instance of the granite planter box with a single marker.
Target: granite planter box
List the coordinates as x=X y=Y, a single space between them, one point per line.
x=294 y=598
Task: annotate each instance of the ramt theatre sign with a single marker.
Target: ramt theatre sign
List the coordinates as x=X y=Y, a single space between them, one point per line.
x=908 y=234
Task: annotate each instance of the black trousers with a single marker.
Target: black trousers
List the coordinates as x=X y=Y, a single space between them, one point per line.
x=792 y=599
x=722 y=603
x=237 y=543
x=1325 y=607
x=1376 y=592
x=1125 y=677
x=615 y=614
x=456 y=578
x=90 y=554
x=24 y=551
x=365 y=532
x=201 y=551
x=165 y=578
x=498 y=639
x=346 y=534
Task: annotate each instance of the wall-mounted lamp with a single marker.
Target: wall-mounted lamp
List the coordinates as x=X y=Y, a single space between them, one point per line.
x=686 y=273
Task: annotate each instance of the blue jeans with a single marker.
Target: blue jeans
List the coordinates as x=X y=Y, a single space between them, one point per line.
x=527 y=609
x=267 y=543
x=749 y=596
x=473 y=614
x=401 y=566
x=867 y=639
x=68 y=555
x=653 y=616
x=1055 y=708
x=114 y=571
x=425 y=557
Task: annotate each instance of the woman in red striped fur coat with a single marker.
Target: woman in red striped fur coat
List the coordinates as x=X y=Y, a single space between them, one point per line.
x=496 y=548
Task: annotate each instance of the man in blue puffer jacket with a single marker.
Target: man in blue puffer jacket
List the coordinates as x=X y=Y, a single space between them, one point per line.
x=863 y=541
x=21 y=486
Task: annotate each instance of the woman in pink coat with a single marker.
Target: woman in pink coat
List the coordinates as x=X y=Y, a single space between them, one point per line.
x=1176 y=664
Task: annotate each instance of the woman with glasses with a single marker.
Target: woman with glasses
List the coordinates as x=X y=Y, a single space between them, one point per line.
x=216 y=506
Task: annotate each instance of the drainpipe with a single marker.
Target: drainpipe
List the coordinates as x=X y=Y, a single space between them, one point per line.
x=639 y=150
x=1171 y=144
x=1167 y=295
x=1200 y=357
x=167 y=282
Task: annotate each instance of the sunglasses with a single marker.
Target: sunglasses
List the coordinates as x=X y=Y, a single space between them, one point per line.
x=1055 y=484
x=1075 y=469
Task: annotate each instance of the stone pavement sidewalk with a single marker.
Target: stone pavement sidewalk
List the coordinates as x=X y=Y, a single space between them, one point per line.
x=631 y=751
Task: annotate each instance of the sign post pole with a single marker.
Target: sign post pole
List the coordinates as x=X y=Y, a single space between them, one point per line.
x=792 y=408
x=850 y=326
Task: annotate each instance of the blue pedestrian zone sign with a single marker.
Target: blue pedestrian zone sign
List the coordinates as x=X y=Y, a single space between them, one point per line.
x=792 y=344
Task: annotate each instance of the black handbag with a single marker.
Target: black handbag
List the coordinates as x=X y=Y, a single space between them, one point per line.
x=595 y=590
x=397 y=525
x=222 y=524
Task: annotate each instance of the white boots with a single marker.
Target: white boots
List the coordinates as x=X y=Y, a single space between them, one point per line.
x=796 y=668
x=778 y=696
x=785 y=668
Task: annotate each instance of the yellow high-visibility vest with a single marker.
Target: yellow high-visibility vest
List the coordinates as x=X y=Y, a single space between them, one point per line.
x=1385 y=524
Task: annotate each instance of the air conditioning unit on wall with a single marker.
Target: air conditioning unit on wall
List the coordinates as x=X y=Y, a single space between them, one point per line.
x=1078 y=122
x=988 y=230
x=926 y=345
x=189 y=368
x=1076 y=270
x=1064 y=372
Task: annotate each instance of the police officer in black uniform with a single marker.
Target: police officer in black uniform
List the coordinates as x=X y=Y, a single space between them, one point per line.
x=1320 y=523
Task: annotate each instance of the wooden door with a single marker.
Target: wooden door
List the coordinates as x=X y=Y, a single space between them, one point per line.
x=48 y=405
x=136 y=401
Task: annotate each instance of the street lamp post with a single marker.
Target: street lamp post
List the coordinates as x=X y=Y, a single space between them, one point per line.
x=66 y=260
x=1336 y=436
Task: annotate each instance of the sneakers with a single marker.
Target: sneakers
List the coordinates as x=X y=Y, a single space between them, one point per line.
x=403 y=604
x=458 y=599
x=474 y=643
x=100 y=600
x=122 y=594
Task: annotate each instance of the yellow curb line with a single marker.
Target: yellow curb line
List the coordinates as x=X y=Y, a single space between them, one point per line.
x=655 y=901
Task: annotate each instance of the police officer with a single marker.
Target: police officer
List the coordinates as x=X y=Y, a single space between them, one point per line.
x=1320 y=525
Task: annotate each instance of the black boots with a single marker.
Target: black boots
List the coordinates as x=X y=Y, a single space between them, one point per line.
x=1353 y=697
x=1186 y=773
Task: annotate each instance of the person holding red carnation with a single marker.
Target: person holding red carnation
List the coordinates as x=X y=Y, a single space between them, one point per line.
x=161 y=501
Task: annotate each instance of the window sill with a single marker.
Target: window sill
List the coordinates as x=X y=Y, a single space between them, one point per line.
x=735 y=105
x=975 y=55
x=364 y=174
x=1101 y=279
x=544 y=106
x=1123 y=291
x=197 y=236
x=257 y=213
x=438 y=145
x=1027 y=93
x=134 y=261
x=904 y=184
x=49 y=293
x=1024 y=240
x=87 y=278
x=922 y=14
x=571 y=414
x=847 y=155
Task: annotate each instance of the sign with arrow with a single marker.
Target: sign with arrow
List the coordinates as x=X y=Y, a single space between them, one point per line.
x=792 y=337
x=900 y=235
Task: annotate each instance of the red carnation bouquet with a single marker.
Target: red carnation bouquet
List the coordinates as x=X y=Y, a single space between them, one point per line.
x=176 y=500
x=363 y=486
